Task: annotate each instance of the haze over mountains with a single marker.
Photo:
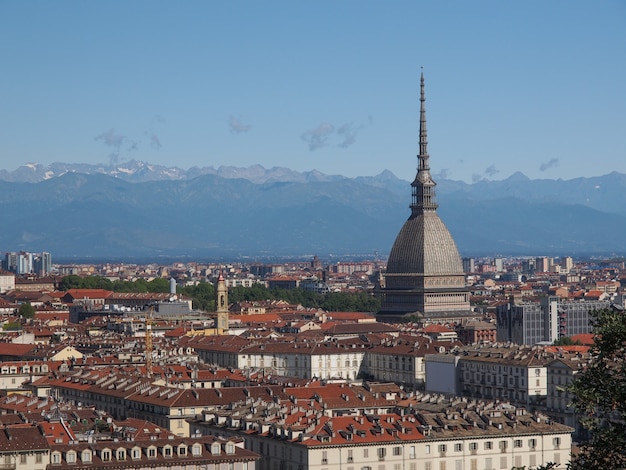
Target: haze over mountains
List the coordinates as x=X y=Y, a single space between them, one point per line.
x=143 y=211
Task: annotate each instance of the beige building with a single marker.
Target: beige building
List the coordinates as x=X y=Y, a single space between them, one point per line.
x=515 y=373
x=23 y=447
x=7 y=281
x=483 y=436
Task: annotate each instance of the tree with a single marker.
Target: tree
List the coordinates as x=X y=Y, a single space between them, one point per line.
x=26 y=310
x=600 y=395
x=202 y=295
x=566 y=341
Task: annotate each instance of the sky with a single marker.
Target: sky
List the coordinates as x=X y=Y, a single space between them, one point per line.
x=535 y=86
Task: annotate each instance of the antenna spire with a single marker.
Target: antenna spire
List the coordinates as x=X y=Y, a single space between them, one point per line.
x=423 y=194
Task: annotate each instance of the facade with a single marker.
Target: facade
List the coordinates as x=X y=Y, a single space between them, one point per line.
x=23 y=447
x=7 y=281
x=530 y=321
x=561 y=373
x=424 y=271
x=196 y=453
x=434 y=435
x=522 y=323
x=516 y=374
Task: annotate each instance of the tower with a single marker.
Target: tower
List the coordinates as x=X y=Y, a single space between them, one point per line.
x=424 y=271
x=221 y=303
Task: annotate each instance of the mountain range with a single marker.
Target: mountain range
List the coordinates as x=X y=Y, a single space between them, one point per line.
x=136 y=210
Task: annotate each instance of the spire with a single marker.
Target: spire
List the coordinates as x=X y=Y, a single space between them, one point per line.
x=423 y=194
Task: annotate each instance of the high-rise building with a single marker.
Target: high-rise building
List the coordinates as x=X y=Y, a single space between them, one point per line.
x=424 y=271
x=469 y=265
x=567 y=263
x=542 y=264
x=42 y=264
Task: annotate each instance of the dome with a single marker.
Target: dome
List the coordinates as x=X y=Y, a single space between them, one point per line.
x=424 y=270
x=424 y=246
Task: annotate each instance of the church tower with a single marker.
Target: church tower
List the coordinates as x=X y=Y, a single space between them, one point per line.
x=424 y=271
x=221 y=304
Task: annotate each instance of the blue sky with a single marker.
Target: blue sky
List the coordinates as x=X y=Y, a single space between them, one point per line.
x=534 y=86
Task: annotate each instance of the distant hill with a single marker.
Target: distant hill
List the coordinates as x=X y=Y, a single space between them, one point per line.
x=145 y=211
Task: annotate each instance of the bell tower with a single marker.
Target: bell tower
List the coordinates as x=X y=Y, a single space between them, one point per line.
x=221 y=304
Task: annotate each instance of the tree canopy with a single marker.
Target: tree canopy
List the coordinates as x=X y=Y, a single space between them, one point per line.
x=203 y=293
x=600 y=395
x=26 y=310
x=98 y=282
x=332 y=302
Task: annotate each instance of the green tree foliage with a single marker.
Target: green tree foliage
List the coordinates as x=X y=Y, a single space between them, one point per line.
x=566 y=341
x=90 y=282
x=332 y=302
x=26 y=310
x=350 y=302
x=600 y=395
x=202 y=295
x=157 y=285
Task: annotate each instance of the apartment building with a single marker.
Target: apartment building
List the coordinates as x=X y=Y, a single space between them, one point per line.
x=511 y=372
x=432 y=434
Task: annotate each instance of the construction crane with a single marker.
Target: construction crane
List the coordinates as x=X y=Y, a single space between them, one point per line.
x=149 y=341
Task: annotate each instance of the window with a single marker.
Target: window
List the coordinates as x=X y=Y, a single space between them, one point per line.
x=196 y=450
x=412 y=452
x=324 y=457
x=230 y=448
x=121 y=454
x=350 y=459
x=182 y=450
x=458 y=447
x=517 y=443
x=152 y=452
x=38 y=458
x=442 y=448
x=557 y=442
x=167 y=451
x=86 y=456
x=532 y=443
x=70 y=457
x=381 y=453
x=473 y=446
x=488 y=446
x=105 y=455
x=55 y=458
x=366 y=453
x=504 y=463
x=502 y=446
x=397 y=450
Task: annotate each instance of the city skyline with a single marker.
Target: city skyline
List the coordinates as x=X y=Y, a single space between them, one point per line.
x=535 y=88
